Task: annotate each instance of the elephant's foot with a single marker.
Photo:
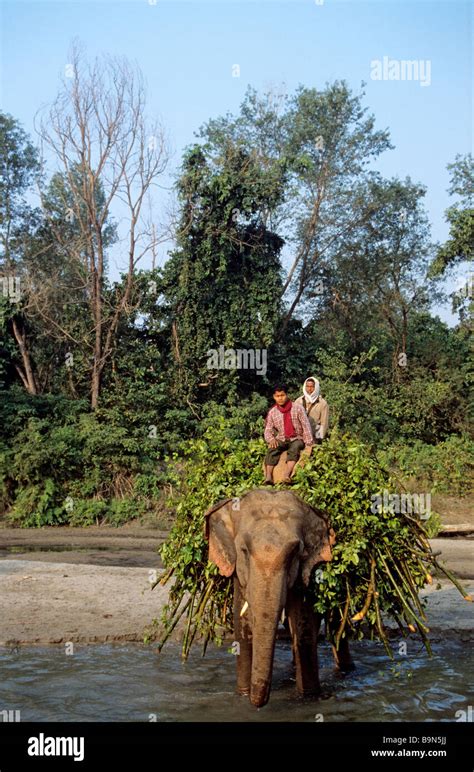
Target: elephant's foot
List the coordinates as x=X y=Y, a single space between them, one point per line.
x=243 y=691
x=311 y=692
x=343 y=664
x=345 y=667
x=342 y=657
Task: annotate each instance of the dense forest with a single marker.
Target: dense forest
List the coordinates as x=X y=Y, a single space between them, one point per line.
x=291 y=255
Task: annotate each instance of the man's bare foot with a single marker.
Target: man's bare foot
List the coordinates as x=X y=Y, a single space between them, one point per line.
x=268 y=481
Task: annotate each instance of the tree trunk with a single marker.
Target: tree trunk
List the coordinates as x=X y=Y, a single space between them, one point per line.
x=97 y=316
x=27 y=375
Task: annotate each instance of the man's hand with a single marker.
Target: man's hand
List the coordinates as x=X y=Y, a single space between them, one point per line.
x=308 y=449
x=273 y=443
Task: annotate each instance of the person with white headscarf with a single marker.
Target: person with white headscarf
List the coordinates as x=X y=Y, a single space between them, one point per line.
x=317 y=409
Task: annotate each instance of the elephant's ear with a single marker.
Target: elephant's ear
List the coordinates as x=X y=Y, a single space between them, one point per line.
x=219 y=532
x=318 y=539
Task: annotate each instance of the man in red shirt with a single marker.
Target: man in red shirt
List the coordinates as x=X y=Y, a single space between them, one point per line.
x=286 y=428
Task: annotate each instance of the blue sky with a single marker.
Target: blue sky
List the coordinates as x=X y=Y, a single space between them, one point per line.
x=186 y=51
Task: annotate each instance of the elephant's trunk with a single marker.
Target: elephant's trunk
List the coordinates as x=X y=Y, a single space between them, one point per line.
x=264 y=628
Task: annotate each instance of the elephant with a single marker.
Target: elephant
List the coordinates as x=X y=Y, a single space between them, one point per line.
x=270 y=544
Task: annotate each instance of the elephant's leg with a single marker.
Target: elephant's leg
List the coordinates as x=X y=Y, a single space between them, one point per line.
x=243 y=636
x=342 y=656
x=304 y=627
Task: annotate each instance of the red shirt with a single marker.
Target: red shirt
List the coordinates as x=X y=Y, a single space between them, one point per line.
x=274 y=425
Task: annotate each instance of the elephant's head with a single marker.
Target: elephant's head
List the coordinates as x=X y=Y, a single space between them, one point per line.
x=269 y=539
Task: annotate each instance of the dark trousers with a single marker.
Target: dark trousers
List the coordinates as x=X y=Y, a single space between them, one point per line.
x=293 y=448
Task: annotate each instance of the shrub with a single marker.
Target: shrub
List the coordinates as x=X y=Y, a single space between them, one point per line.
x=447 y=467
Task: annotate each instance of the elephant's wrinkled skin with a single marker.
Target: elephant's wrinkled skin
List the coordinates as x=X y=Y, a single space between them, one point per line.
x=270 y=541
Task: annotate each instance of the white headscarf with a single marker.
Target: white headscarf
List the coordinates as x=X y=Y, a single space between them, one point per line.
x=312 y=397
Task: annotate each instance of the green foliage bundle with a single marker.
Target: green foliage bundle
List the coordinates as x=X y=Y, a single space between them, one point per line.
x=380 y=561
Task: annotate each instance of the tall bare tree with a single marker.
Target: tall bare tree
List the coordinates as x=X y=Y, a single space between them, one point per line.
x=110 y=159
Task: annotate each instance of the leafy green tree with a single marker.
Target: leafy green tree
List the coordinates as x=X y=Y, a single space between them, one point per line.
x=18 y=167
x=460 y=216
x=460 y=245
x=376 y=279
x=222 y=285
x=58 y=285
x=319 y=146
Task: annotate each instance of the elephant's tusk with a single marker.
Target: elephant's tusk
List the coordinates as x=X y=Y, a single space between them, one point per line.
x=244 y=608
x=283 y=617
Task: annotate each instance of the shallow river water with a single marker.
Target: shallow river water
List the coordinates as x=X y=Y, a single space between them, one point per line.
x=115 y=682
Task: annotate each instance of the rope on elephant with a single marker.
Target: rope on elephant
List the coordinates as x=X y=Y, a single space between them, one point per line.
x=381 y=559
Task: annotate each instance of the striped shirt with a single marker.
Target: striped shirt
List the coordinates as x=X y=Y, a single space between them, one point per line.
x=274 y=425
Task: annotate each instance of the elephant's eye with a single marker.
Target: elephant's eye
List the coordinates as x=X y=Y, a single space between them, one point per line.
x=295 y=549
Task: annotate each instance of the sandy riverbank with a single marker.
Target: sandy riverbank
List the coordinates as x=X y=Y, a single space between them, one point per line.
x=91 y=586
